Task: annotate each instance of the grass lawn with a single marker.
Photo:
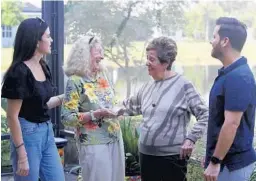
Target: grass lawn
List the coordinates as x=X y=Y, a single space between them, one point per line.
x=189 y=53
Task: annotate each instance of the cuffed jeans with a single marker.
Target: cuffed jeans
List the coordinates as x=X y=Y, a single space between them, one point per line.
x=44 y=160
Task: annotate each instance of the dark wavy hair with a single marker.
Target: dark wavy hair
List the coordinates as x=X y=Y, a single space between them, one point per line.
x=29 y=32
x=234 y=29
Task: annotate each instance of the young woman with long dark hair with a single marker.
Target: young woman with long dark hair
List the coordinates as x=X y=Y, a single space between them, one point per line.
x=28 y=88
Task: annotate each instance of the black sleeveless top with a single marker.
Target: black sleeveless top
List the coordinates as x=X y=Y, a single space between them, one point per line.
x=21 y=84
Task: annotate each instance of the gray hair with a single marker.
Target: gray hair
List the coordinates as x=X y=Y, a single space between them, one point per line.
x=166 y=50
x=78 y=61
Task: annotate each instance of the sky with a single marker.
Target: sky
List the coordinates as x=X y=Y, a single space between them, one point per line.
x=37 y=3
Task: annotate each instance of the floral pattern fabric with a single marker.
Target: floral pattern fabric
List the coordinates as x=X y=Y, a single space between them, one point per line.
x=83 y=95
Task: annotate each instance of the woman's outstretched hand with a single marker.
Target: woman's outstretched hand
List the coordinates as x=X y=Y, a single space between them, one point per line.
x=106 y=113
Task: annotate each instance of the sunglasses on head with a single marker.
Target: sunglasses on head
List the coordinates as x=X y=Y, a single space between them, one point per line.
x=41 y=20
x=90 y=40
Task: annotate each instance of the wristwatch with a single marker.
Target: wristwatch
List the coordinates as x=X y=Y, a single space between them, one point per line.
x=215 y=160
x=92 y=115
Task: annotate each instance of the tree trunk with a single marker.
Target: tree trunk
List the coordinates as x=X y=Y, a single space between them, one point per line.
x=128 y=86
x=128 y=79
x=206 y=27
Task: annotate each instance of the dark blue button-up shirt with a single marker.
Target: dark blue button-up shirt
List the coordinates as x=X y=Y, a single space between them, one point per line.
x=233 y=90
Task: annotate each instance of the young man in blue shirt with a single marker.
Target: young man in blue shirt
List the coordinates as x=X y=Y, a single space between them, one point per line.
x=230 y=155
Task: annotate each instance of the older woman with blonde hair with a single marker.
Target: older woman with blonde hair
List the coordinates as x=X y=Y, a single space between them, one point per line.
x=87 y=106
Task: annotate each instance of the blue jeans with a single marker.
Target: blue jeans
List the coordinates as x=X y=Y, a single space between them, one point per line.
x=44 y=160
x=242 y=174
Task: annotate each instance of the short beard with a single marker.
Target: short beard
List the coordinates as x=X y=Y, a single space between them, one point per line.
x=216 y=53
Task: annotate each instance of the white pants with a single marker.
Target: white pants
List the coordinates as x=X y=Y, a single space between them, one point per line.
x=102 y=162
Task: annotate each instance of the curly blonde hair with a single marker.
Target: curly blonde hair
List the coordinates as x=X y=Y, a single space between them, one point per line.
x=78 y=61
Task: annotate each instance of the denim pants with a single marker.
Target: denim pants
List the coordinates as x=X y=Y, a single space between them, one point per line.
x=242 y=174
x=44 y=160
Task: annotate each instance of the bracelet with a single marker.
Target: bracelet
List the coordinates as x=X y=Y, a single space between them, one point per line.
x=17 y=147
x=93 y=118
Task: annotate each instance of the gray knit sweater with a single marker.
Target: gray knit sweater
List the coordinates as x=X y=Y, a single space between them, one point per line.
x=166 y=107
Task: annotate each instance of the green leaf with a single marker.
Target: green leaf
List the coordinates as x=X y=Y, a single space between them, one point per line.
x=11 y=12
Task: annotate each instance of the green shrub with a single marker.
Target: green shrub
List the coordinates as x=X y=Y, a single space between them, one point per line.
x=130 y=137
x=5 y=144
x=195 y=171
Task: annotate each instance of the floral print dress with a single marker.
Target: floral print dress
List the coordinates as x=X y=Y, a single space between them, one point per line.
x=83 y=95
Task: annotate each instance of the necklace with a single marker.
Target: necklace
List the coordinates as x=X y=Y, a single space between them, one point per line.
x=155 y=94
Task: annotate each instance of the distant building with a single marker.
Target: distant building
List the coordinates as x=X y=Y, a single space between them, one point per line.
x=9 y=32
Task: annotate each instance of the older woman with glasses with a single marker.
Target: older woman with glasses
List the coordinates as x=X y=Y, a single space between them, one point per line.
x=166 y=104
x=87 y=106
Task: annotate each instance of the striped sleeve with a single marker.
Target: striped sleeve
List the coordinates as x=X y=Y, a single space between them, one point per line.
x=133 y=104
x=199 y=109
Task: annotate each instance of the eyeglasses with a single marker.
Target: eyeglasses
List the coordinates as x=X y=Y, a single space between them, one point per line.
x=41 y=20
x=90 y=40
